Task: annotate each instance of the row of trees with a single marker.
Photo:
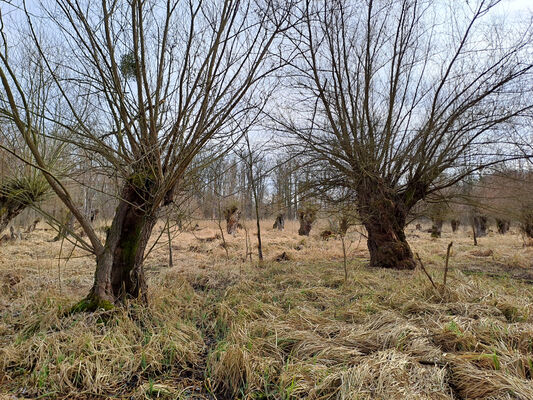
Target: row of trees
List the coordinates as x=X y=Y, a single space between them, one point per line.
x=384 y=102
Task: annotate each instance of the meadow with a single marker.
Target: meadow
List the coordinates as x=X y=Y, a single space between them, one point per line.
x=222 y=326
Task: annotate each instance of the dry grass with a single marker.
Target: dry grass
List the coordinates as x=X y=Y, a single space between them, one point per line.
x=220 y=328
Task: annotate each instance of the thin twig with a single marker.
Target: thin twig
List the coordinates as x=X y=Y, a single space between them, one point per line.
x=446 y=266
x=424 y=269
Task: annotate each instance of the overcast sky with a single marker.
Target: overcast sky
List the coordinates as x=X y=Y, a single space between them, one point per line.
x=514 y=6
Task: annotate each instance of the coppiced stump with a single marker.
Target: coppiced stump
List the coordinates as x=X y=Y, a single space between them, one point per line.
x=232 y=215
x=503 y=226
x=436 y=228
x=279 y=224
x=479 y=222
x=306 y=218
x=455 y=223
x=384 y=218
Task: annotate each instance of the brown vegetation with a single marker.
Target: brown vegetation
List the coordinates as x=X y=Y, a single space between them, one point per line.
x=225 y=329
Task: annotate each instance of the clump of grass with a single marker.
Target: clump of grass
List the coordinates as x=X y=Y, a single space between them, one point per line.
x=218 y=327
x=104 y=352
x=374 y=338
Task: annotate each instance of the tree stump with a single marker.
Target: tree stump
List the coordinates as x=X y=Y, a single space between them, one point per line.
x=503 y=226
x=279 y=224
x=526 y=221
x=232 y=216
x=327 y=234
x=479 y=223
x=94 y=214
x=455 y=224
x=306 y=218
x=436 y=228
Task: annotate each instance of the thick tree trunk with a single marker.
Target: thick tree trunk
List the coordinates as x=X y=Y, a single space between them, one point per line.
x=279 y=224
x=16 y=195
x=232 y=216
x=526 y=221
x=480 y=225
x=306 y=218
x=436 y=228
x=119 y=269
x=455 y=224
x=9 y=209
x=384 y=217
x=503 y=226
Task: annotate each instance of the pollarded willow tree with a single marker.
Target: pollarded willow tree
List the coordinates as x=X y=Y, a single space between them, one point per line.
x=400 y=99
x=144 y=85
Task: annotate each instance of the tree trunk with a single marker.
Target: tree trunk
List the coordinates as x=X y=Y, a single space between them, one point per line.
x=9 y=209
x=232 y=216
x=526 y=221
x=66 y=227
x=503 y=226
x=279 y=224
x=436 y=228
x=455 y=224
x=384 y=217
x=306 y=217
x=480 y=225
x=119 y=269
x=16 y=195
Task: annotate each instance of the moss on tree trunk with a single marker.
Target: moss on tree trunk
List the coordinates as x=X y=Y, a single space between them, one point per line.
x=119 y=271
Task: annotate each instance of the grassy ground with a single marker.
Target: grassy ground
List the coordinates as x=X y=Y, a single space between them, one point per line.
x=219 y=327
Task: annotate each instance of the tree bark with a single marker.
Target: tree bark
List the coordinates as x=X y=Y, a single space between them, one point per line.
x=232 y=216
x=119 y=269
x=384 y=216
x=279 y=224
x=15 y=196
x=9 y=209
x=502 y=225
x=436 y=228
x=306 y=217
x=455 y=224
x=480 y=225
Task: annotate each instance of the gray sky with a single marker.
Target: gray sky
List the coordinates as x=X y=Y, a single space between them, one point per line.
x=516 y=6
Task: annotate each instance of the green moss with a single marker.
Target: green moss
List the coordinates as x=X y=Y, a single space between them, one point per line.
x=91 y=305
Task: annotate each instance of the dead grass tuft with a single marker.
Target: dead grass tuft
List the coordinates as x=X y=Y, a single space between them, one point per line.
x=218 y=328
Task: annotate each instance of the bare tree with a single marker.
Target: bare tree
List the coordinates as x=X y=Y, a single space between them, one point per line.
x=145 y=86
x=402 y=99
x=251 y=157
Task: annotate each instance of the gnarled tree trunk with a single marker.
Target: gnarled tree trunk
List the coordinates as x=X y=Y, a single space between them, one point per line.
x=9 y=209
x=18 y=193
x=479 y=222
x=455 y=224
x=526 y=221
x=384 y=217
x=279 y=224
x=503 y=225
x=232 y=216
x=306 y=218
x=119 y=271
x=436 y=228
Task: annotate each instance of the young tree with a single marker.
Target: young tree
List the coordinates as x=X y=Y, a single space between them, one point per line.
x=145 y=85
x=253 y=158
x=401 y=99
